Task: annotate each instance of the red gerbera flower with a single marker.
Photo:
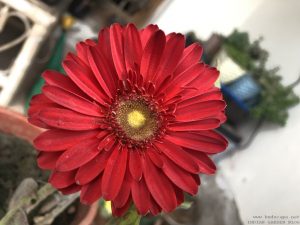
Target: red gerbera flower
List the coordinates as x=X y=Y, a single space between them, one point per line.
x=132 y=121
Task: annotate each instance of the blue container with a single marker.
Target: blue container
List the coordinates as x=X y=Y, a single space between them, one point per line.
x=244 y=91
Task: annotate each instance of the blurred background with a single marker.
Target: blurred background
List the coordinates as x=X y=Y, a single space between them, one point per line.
x=254 y=43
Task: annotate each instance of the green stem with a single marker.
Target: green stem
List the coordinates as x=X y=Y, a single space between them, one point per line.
x=131 y=217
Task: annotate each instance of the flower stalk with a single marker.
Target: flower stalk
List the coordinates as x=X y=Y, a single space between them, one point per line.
x=131 y=217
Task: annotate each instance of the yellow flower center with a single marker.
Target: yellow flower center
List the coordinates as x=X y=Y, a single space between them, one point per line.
x=136 y=119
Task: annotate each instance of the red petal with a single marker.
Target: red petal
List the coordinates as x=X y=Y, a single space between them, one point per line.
x=178 y=155
x=205 y=124
x=200 y=110
x=47 y=160
x=171 y=55
x=107 y=142
x=72 y=101
x=71 y=189
x=205 y=164
x=180 y=177
x=84 y=73
x=222 y=117
x=204 y=97
x=114 y=172
x=124 y=192
x=35 y=109
x=179 y=195
x=120 y=211
x=132 y=47
x=147 y=32
x=197 y=179
x=181 y=80
x=102 y=71
x=154 y=207
x=155 y=157
x=159 y=186
x=104 y=47
x=162 y=84
x=39 y=99
x=84 y=79
x=62 y=179
x=78 y=155
x=91 y=192
x=104 y=43
x=67 y=119
x=135 y=165
x=190 y=56
x=81 y=50
x=38 y=103
x=59 y=80
x=204 y=141
x=37 y=122
x=92 y=169
x=90 y=42
x=205 y=80
x=140 y=196
x=117 y=49
x=56 y=140
x=152 y=54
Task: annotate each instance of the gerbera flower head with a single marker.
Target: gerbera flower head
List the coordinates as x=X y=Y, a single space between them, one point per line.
x=131 y=121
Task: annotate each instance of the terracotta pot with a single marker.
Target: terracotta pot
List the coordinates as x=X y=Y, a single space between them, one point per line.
x=16 y=124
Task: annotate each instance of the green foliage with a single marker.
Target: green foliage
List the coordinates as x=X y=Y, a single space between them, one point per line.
x=242 y=58
x=275 y=98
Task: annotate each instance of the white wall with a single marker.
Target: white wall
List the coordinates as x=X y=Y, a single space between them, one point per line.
x=265 y=178
x=206 y=16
